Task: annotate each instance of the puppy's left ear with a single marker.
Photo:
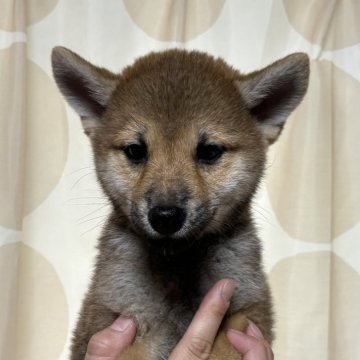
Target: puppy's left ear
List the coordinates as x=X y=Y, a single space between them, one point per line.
x=272 y=93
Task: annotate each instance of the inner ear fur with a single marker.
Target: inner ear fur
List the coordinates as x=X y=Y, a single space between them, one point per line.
x=86 y=87
x=272 y=93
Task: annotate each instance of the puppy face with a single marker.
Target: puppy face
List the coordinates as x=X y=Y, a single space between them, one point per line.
x=180 y=138
x=177 y=179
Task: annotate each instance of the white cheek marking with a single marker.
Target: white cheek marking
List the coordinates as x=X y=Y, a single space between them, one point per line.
x=115 y=182
x=115 y=177
x=228 y=193
x=239 y=174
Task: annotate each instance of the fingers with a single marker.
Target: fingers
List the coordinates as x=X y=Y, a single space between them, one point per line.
x=199 y=337
x=109 y=343
x=250 y=344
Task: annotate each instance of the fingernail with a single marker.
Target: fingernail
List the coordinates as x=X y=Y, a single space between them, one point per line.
x=227 y=290
x=121 y=324
x=254 y=330
x=237 y=332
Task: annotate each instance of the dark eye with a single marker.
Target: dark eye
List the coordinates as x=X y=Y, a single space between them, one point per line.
x=136 y=153
x=208 y=153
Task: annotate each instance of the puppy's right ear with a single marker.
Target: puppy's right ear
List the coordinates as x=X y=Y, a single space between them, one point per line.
x=86 y=87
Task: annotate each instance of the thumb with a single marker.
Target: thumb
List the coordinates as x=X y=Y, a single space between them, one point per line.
x=111 y=341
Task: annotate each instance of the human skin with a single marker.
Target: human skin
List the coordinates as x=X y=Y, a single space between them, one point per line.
x=197 y=341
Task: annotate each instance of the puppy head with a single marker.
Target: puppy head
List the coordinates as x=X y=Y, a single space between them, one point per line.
x=179 y=137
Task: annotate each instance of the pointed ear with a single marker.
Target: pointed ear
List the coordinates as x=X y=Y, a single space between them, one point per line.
x=87 y=88
x=272 y=93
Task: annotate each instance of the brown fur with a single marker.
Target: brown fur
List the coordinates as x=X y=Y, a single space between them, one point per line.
x=171 y=104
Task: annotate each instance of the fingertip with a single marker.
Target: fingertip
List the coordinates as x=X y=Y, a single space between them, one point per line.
x=227 y=289
x=239 y=340
x=113 y=340
x=250 y=345
x=235 y=334
x=254 y=331
x=122 y=324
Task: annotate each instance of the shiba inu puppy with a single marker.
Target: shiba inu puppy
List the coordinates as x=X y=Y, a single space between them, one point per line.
x=179 y=141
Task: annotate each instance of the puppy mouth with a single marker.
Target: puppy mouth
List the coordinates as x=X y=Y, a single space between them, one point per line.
x=170 y=246
x=185 y=247
x=179 y=242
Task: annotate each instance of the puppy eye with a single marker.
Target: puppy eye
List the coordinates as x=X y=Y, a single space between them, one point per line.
x=136 y=153
x=208 y=153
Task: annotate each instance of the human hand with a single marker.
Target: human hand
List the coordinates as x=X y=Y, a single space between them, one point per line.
x=198 y=339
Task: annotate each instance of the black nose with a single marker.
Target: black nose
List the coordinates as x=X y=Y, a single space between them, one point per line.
x=166 y=220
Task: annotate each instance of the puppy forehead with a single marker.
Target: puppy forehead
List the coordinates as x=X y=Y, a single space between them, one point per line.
x=179 y=94
x=174 y=79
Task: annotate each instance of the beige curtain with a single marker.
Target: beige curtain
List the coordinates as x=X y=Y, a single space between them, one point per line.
x=308 y=208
